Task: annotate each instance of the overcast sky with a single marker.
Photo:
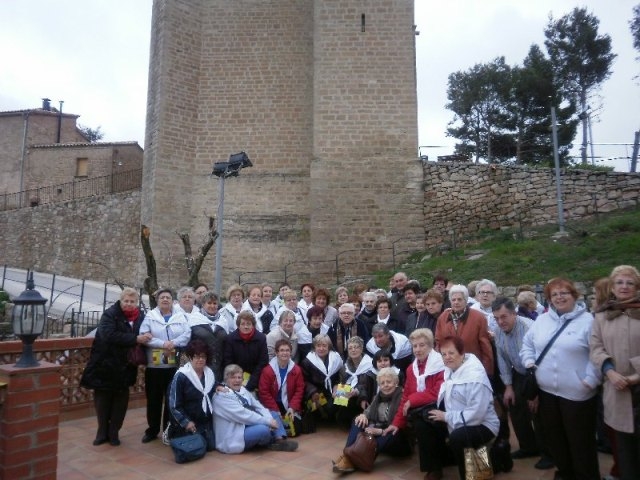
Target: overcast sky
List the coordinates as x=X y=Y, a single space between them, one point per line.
x=93 y=54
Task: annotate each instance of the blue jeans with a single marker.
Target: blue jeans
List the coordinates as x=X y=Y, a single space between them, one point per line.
x=262 y=435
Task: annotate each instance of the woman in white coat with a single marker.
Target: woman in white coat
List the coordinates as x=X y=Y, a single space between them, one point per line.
x=241 y=422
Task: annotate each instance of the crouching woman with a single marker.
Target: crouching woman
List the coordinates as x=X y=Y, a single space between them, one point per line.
x=376 y=419
x=242 y=422
x=191 y=393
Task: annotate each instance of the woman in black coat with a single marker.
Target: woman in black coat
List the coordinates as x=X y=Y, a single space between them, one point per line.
x=247 y=347
x=109 y=372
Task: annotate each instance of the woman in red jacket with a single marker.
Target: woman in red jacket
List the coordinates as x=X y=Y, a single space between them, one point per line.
x=422 y=385
x=281 y=386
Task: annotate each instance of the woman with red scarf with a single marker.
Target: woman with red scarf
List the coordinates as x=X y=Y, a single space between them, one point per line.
x=108 y=371
x=247 y=347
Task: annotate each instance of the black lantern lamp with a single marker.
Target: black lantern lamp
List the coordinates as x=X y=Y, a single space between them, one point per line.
x=28 y=319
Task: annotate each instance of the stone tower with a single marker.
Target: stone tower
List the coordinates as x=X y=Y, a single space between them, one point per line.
x=321 y=94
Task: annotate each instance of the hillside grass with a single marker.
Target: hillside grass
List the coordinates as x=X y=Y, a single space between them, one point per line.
x=530 y=255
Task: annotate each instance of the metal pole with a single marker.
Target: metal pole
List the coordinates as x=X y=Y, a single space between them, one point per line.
x=593 y=158
x=556 y=159
x=218 y=280
x=634 y=155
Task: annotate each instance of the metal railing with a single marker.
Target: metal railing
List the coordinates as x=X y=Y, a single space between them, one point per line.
x=79 y=188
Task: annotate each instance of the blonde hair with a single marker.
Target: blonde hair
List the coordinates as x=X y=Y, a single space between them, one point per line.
x=129 y=292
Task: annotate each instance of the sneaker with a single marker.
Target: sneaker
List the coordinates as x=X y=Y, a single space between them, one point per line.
x=283 y=446
x=343 y=465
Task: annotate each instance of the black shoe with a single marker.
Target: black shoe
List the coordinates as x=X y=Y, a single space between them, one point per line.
x=147 y=437
x=115 y=442
x=283 y=446
x=100 y=441
x=518 y=454
x=544 y=464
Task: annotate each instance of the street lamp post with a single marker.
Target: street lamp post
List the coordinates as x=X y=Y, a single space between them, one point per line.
x=556 y=160
x=224 y=170
x=28 y=317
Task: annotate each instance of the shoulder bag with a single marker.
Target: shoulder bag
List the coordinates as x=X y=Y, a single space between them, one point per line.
x=477 y=465
x=189 y=447
x=529 y=387
x=362 y=452
x=137 y=355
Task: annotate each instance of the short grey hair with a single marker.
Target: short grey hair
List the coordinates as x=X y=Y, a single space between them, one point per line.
x=322 y=338
x=370 y=295
x=380 y=328
x=129 y=292
x=182 y=291
x=347 y=306
x=231 y=370
x=488 y=283
x=388 y=372
x=286 y=313
x=356 y=341
x=460 y=289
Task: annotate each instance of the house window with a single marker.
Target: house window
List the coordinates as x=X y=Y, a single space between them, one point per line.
x=82 y=167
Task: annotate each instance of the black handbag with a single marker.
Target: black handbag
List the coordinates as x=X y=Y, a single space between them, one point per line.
x=189 y=447
x=529 y=387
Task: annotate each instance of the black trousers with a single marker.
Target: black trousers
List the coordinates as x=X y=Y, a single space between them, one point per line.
x=628 y=445
x=569 y=430
x=466 y=437
x=111 y=408
x=432 y=448
x=526 y=425
x=156 y=385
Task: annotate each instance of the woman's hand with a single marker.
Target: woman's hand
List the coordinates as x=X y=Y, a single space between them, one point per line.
x=374 y=431
x=437 y=415
x=633 y=379
x=168 y=345
x=273 y=425
x=315 y=399
x=291 y=412
x=144 y=338
x=392 y=429
x=361 y=420
x=191 y=427
x=619 y=382
x=406 y=407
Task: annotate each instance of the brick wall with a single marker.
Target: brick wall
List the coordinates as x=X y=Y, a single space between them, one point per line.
x=326 y=112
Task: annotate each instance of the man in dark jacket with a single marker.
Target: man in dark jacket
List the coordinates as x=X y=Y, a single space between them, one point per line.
x=346 y=327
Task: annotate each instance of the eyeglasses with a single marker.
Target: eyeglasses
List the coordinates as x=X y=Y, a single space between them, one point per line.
x=560 y=294
x=347 y=313
x=485 y=292
x=626 y=283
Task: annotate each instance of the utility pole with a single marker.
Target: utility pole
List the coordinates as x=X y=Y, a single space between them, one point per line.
x=556 y=159
x=634 y=155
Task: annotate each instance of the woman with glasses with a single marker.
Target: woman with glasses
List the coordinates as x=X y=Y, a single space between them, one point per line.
x=568 y=381
x=615 y=350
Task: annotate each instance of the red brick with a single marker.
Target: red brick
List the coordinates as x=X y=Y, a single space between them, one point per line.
x=45 y=468
x=49 y=379
x=47 y=436
x=44 y=409
x=17 y=443
x=20 y=383
x=36 y=396
x=10 y=472
x=24 y=411
x=30 y=455
x=20 y=427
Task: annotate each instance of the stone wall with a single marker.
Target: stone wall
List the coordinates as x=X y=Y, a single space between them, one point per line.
x=95 y=238
x=467 y=197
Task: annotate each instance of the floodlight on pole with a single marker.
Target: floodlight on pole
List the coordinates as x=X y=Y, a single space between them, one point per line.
x=224 y=170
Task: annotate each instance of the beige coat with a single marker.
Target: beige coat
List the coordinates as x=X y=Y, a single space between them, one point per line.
x=619 y=340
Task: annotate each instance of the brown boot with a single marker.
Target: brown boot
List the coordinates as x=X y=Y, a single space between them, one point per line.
x=343 y=465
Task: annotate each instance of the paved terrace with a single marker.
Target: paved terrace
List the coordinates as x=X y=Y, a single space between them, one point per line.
x=79 y=460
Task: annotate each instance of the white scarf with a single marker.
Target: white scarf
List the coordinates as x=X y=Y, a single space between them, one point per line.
x=433 y=366
x=364 y=366
x=471 y=371
x=384 y=320
x=335 y=364
x=258 y=316
x=209 y=381
x=282 y=385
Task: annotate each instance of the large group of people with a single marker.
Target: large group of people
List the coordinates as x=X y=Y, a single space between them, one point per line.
x=444 y=367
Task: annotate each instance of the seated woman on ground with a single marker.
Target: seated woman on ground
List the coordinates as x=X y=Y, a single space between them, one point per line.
x=241 y=422
x=354 y=377
x=375 y=421
x=321 y=369
x=281 y=387
x=190 y=395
